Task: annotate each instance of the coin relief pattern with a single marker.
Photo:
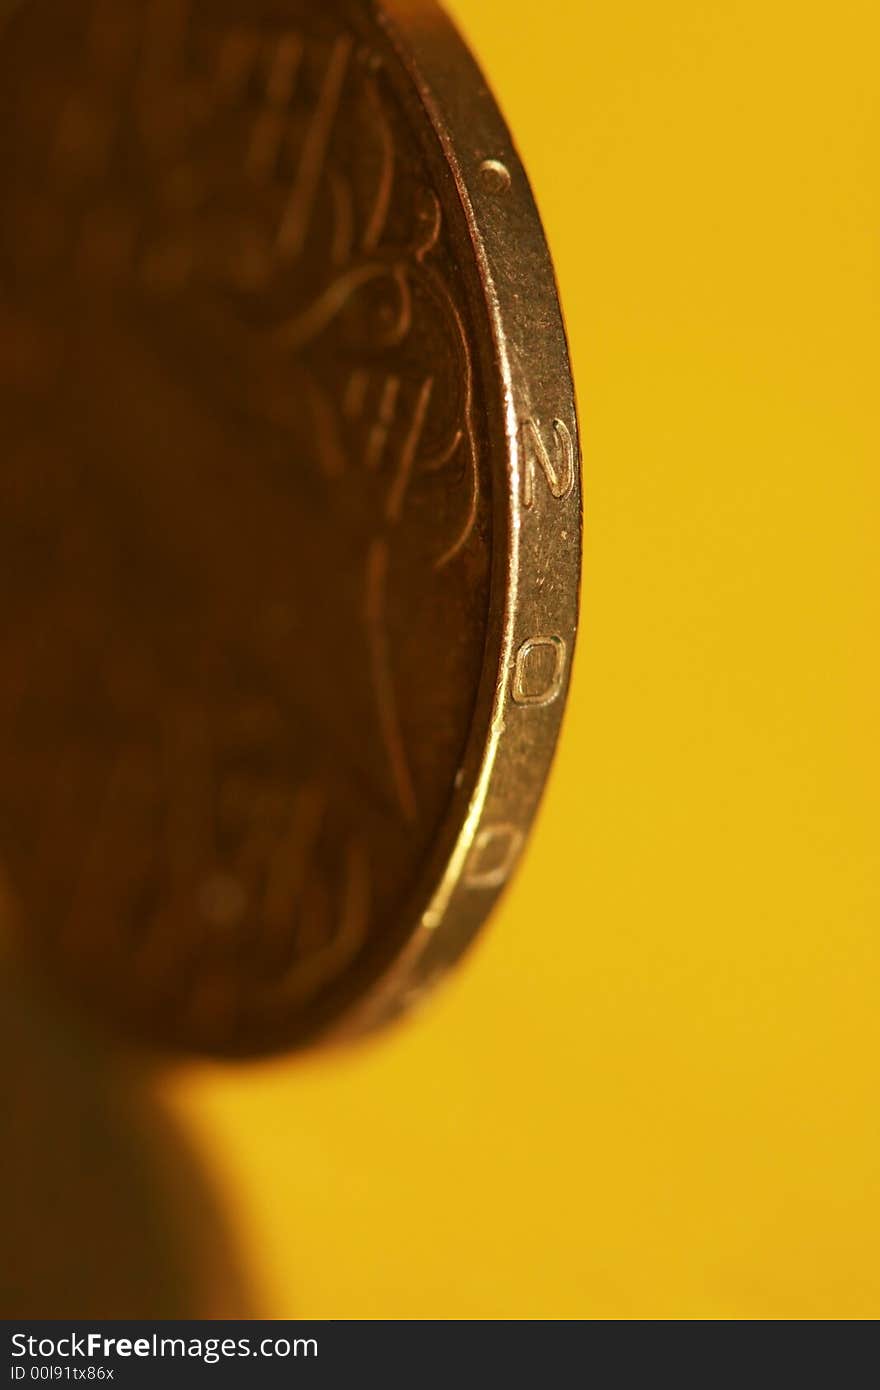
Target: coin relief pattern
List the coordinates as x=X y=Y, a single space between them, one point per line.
x=254 y=765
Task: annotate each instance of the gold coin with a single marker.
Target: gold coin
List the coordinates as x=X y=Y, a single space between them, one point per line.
x=290 y=515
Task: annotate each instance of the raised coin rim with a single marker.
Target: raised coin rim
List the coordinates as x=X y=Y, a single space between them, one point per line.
x=536 y=548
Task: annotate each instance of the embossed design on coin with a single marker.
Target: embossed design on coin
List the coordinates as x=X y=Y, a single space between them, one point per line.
x=540 y=671
x=254 y=510
x=560 y=471
x=493 y=856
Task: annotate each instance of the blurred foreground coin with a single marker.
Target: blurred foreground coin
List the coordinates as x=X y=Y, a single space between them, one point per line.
x=289 y=509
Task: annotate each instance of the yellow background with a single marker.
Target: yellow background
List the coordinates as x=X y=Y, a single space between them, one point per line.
x=652 y=1091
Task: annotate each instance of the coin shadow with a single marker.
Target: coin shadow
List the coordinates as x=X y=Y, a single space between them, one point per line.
x=105 y=1211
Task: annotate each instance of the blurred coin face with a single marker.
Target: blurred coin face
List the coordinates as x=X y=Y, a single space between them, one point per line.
x=249 y=516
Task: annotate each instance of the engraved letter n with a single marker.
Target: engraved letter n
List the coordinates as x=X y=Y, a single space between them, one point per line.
x=560 y=475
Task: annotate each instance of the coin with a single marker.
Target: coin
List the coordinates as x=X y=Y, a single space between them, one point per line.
x=290 y=519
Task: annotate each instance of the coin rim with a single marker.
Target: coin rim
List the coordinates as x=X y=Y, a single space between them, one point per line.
x=536 y=557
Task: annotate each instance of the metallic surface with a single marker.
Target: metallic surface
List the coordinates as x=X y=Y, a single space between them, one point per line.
x=290 y=509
